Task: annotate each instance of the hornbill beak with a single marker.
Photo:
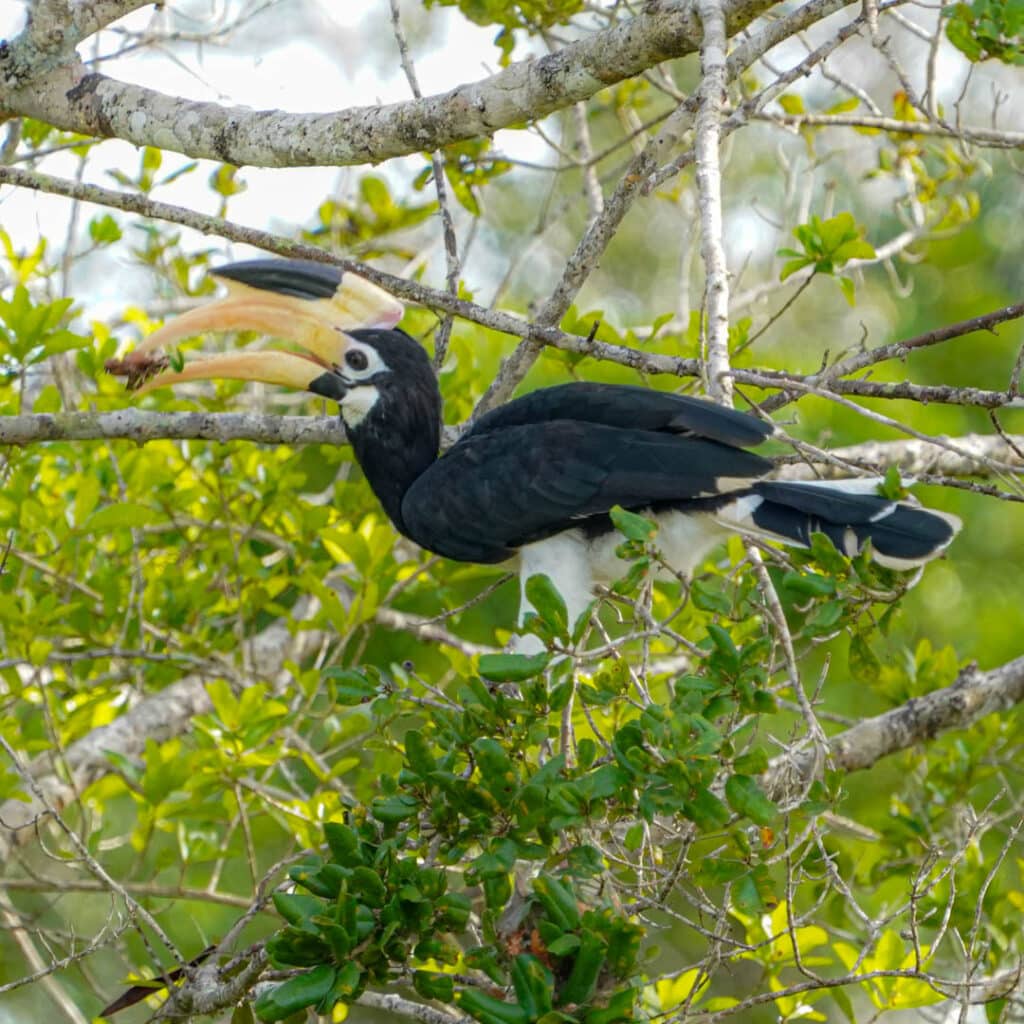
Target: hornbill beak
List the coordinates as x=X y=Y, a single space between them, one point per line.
x=310 y=304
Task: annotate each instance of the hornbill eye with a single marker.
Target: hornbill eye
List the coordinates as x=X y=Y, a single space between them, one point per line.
x=356 y=360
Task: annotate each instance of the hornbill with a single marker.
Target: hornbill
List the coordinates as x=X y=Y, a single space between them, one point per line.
x=537 y=478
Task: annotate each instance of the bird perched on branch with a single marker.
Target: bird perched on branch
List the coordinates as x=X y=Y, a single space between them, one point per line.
x=538 y=478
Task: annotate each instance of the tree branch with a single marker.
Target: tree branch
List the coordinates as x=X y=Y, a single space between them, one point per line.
x=915 y=458
x=506 y=323
x=638 y=180
x=709 y=198
x=138 y=426
x=970 y=698
x=93 y=104
x=53 y=30
x=994 y=138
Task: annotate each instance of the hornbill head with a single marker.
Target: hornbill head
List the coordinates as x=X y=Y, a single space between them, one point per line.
x=352 y=354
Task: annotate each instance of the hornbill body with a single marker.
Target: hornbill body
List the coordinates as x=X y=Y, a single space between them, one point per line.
x=536 y=478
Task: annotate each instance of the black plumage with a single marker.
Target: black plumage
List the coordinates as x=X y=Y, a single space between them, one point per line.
x=547 y=468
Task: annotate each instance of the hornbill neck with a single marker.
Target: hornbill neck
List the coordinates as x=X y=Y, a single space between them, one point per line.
x=396 y=441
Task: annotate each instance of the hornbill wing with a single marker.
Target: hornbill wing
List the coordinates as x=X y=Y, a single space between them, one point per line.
x=499 y=489
x=629 y=407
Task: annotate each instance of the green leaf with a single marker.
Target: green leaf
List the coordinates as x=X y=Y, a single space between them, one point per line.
x=863 y=663
x=431 y=985
x=393 y=809
x=792 y=266
x=586 y=970
x=534 y=985
x=703 y=808
x=125 y=514
x=547 y=602
x=632 y=526
x=49 y=400
x=559 y=901
x=512 y=668
x=746 y=797
x=418 y=754
x=104 y=230
x=708 y=597
x=489 y=1010
x=367 y=885
x=351 y=687
x=344 y=844
x=809 y=584
x=295 y=994
x=297 y=908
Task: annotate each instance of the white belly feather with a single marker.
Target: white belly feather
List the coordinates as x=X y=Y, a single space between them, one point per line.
x=575 y=563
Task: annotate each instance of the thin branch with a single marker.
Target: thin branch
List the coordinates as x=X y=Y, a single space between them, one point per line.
x=914 y=458
x=149 y=890
x=413 y=291
x=901 y=349
x=437 y=161
x=894 y=126
x=638 y=179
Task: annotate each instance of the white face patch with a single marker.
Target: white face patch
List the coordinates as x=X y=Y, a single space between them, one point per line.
x=361 y=362
x=356 y=405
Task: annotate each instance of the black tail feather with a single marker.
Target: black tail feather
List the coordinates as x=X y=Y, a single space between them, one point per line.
x=902 y=534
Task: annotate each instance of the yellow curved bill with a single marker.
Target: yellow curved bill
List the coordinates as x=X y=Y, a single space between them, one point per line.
x=318 y=325
x=286 y=369
x=303 y=321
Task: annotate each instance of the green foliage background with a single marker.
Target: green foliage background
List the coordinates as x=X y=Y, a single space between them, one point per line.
x=593 y=844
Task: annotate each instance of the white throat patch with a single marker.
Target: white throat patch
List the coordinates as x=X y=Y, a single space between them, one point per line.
x=356 y=405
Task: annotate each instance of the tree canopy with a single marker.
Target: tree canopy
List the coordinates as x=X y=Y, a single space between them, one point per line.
x=262 y=758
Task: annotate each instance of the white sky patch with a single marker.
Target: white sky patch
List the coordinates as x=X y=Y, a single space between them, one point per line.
x=323 y=65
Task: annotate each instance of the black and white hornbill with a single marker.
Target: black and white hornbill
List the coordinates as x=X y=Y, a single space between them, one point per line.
x=534 y=479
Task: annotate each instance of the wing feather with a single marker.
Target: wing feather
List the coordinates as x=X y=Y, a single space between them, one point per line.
x=631 y=408
x=496 y=490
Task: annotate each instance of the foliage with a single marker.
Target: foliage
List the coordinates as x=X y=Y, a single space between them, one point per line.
x=826 y=246
x=346 y=768
x=987 y=29
x=532 y=15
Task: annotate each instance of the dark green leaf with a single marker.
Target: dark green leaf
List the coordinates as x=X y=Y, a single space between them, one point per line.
x=512 y=668
x=746 y=797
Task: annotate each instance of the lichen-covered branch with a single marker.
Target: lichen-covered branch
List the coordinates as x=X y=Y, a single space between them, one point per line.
x=709 y=201
x=138 y=426
x=975 y=454
x=970 y=698
x=93 y=104
x=917 y=458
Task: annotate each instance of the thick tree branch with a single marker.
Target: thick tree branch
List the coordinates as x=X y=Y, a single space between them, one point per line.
x=970 y=698
x=93 y=104
x=134 y=425
x=916 y=458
